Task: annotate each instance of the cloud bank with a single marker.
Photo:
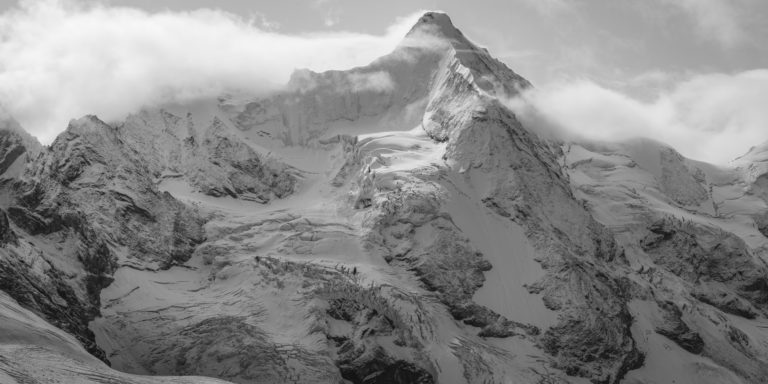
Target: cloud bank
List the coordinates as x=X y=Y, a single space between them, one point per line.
x=64 y=59
x=714 y=118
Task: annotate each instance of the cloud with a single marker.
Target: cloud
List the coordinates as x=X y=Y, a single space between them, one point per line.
x=379 y=81
x=64 y=59
x=304 y=80
x=714 y=117
x=715 y=19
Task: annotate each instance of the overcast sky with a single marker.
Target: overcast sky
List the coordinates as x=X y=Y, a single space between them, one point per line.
x=687 y=72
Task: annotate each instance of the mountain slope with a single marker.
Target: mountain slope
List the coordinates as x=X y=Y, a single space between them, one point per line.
x=392 y=223
x=699 y=257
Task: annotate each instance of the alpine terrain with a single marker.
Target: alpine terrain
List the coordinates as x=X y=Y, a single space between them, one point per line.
x=392 y=223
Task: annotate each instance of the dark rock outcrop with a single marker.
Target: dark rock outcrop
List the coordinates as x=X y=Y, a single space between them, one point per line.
x=11 y=147
x=29 y=221
x=580 y=256
x=208 y=155
x=719 y=264
x=377 y=368
x=47 y=291
x=90 y=192
x=7 y=235
x=674 y=328
x=89 y=182
x=446 y=264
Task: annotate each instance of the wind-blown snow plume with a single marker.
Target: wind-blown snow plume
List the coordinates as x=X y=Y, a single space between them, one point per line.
x=64 y=59
x=714 y=117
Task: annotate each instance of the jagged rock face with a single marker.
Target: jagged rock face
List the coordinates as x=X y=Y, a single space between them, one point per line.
x=90 y=183
x=726 y=275
x=412 y=231
x=30 y=274
x=371 y=316
x=753 y=167
x=11 y=148
x=35 y=351
x=7 y=236
x=38 y=285
x=206 y=152
x=17 y=148
x=487 y=139
x=695 y=253
x=89 y=203
x=240 y=349
x=674 y=327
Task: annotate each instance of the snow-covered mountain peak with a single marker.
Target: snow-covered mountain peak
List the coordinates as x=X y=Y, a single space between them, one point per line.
x=391 y=223
x=89 y=127
x=435 y=31
x=437 y=24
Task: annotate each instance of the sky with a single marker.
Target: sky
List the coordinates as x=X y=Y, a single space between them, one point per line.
x=691 y=73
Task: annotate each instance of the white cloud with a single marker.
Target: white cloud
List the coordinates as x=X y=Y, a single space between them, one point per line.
x=715 y=19
x=65 y=59
x=714 y=117
x=379 y=81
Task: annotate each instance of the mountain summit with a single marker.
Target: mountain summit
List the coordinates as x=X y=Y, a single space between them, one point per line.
x=391 y=223
x=437 y=24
